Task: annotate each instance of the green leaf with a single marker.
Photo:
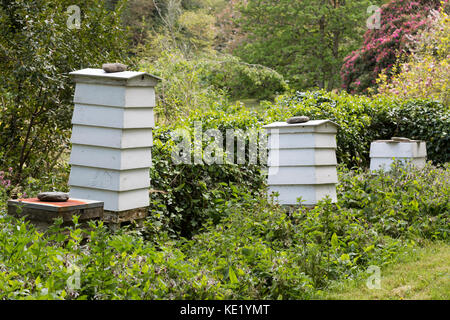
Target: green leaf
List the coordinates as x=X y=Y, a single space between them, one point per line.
x=334 y=241
x=232 y=275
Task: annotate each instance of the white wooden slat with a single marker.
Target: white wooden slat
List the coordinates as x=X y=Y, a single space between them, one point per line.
x=106 y=179
x=301 y=141
x=114 y=96
x=112 y=137
x=304 y=157
x=385 y=163
x=109 y=158
x=114 y=201
x=302 y=175
x=102 y=116
x=399 y=149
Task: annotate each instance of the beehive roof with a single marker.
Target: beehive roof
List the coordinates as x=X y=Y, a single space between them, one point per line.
x=310 y=123
x=125 y=78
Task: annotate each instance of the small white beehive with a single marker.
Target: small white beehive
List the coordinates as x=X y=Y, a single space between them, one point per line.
x=112 y=138
x=302 y=161
x=383 y=152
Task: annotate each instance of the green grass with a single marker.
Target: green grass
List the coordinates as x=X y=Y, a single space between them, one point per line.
x=419 y=274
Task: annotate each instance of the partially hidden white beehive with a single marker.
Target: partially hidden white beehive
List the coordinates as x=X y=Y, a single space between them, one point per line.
x=383 y=152
x=112 y=137
x=302 y=161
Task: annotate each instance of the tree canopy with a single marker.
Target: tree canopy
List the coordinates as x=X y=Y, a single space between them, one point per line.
x=306 y=41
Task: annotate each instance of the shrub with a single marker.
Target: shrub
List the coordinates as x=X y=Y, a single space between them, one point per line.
x=400 y=20
x=242 y=80
x=426 y=73
x=185 y=195
x=362 y=120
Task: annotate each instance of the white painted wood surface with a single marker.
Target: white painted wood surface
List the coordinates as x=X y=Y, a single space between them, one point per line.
x=114 y=201
x=302 y=175
x=111 y=117
x=324 y=126
x=114 y=96
x=302 y=161
x=126 y=78
x=112 y=180
x=109 y=158
x=302 y=157
x=383 y=153
x=385 y=163
x=112 y=137
x=306 y=140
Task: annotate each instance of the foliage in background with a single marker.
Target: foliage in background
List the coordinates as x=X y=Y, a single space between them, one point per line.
x=305 y=41
x=182 y=89
x=240 y=80
x=426 y=73
x=207 y=82
x=139 y=16
x=362 y=120
x=229 y=35
x=187 y=26
x=37 y=51
x=400 y=21
x=256 y=251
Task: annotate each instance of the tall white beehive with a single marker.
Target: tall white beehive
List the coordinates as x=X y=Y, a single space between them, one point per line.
x=383 y=152
x=112 y=137
x=302 y=161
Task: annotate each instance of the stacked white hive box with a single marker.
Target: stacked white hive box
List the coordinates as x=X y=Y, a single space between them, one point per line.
x=383 y=152
x=112 y=137
x=302 y=161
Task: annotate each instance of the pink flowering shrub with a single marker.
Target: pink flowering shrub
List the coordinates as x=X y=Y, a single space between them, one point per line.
x=5 y=184
x=426 y=73
x=400 y=22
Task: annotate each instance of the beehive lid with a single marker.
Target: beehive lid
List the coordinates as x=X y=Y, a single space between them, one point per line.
x=71 y=204
x=309 y=126
x=398 y=140
x=124 y=78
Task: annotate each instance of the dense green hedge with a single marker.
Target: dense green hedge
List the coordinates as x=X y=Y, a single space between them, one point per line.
x=257 y=251
x=183 y=196
x=362 y=120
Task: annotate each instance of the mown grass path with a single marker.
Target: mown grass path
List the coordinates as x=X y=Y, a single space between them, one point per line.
x=420 y=274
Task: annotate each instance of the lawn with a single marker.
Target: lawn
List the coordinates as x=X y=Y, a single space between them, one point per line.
x=420 y=273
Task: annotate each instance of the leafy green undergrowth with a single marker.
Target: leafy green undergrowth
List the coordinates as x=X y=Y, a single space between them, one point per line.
x=257 y=250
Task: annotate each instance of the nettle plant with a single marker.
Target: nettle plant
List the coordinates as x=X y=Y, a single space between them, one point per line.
x=401 y=21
